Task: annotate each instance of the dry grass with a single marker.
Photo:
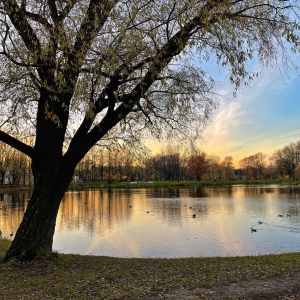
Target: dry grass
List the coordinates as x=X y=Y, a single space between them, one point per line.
x=92 y=277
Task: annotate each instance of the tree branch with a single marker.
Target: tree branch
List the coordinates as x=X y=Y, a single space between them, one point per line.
x=18 y=18
x=96 y=16
x=13 y=142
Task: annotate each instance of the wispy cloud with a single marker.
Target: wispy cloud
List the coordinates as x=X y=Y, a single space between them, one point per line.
x=263 y=118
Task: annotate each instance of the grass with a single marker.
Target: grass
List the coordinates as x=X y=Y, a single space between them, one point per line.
x=182 y=183
x=97 y=277
x=158 y=184
x=141 y=184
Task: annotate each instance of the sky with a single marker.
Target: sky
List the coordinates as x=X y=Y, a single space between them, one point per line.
x=263 y=117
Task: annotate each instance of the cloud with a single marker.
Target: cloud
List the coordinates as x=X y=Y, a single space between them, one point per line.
x=264 y=117
x=225 y=119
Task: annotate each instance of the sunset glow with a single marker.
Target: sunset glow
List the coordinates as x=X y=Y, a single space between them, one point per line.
x=263 y=117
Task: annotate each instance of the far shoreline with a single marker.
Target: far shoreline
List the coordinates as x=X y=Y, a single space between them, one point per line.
x=7 y=189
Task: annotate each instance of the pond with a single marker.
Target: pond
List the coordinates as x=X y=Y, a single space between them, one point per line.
x=171 y=222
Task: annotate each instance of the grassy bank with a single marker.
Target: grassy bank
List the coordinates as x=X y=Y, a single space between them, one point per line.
x=183 y=183
x=153 y=184
x=6 y=189
x=147 y=184
x=92 y=277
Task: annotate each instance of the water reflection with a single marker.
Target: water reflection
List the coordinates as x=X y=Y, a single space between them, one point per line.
x=12 y=208
x=170 y=222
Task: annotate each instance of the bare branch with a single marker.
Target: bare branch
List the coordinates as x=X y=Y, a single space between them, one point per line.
x=13 y=142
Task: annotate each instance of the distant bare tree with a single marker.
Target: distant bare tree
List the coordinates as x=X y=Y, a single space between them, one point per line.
x=214 y=169
x=198 y=164
x=17 y=166
x=254 y=166
x=287 y=159
x=228 y=168
x=4 y=160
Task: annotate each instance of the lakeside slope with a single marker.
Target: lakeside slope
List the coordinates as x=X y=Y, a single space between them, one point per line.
x=98 y=277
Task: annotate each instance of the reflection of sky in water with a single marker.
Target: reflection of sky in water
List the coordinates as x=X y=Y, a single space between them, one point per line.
x=159 y=223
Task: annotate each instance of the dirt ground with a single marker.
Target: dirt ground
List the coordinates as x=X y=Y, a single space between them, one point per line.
x=285 y=287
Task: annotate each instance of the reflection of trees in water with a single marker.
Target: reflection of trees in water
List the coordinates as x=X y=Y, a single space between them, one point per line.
x=164 y=192
x=12 y=208
x=218 y=191
x=164 y=203
x=167 y=208
x=194 y=200
x=249 y=190
x=197 y=192
x=174 y=204
x=99 y=211
x=95 y=210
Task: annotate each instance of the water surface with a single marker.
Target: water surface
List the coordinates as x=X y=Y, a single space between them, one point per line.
x=160 y=222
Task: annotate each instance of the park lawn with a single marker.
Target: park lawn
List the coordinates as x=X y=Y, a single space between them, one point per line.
x=98 y=277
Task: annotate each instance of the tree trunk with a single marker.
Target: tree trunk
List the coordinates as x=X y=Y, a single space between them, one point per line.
x=35 y=233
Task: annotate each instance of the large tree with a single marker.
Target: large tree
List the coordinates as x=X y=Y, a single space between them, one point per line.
x=75 y=72
x=198 y=164
x=287 y=159
x=254 y=166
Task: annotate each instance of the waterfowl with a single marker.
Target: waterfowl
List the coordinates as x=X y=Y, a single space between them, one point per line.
x=253 y=230
x=194 y=215
x=259 y=222
x=280 y=215
x=288 y=215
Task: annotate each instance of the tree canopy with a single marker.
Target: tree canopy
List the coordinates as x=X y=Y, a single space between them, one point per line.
x=139 y=63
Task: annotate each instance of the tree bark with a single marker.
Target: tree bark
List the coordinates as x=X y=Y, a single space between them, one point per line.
x=35 y=234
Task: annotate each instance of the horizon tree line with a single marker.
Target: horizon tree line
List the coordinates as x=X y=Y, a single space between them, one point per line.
x=173 y=164
x=123 y=165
